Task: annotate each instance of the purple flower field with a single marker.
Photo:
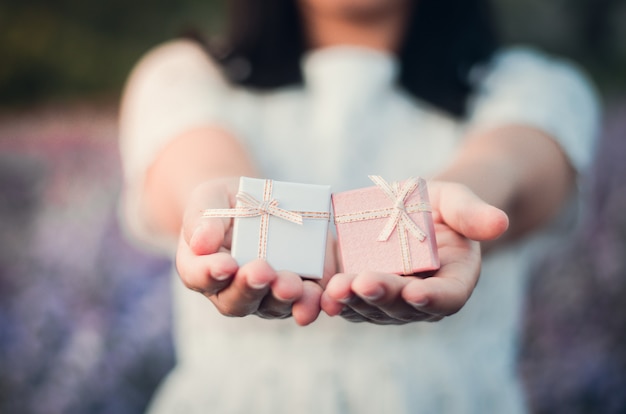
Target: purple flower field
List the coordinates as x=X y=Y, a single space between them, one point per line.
x=574 y=353
x=85 y=317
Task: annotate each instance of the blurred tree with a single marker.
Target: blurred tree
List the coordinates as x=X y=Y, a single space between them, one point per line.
x=69 y=47
x=604 y=36
x=592 y=32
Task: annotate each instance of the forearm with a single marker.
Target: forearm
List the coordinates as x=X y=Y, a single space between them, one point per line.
x=187 y=161
x=518 y=169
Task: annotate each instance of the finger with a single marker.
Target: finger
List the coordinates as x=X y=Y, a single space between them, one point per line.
x=337 y=293
x=339 y=298
x=467 y=213
x=307 y=308
x=371 y=315
x=382 y=297
x=445 y=293
x=287 y=287
x=206 y=235
x=330 y=305
x=207 y=274
x=284 y=291
x=352 y=316
x=248 y=289
x=330 y=260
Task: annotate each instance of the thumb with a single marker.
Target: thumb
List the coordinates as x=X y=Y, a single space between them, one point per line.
x=207 y=235
x=466 y=213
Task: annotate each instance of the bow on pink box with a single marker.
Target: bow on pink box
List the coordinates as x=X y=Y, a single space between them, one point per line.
x=403 y=206
x=399 y=216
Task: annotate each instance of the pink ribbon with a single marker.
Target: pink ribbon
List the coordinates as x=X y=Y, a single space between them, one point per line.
x=397 y=215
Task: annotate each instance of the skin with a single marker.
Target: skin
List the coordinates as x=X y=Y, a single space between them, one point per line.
x=376 y=24
x=502 y=184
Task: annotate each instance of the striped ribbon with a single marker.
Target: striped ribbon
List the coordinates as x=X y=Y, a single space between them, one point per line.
x=397 y=215
x=249 y=206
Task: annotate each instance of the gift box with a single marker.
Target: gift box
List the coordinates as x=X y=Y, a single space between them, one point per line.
x=284 y=223
x=386 y=228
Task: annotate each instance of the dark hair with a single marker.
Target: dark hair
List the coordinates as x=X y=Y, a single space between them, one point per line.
x=444 y=40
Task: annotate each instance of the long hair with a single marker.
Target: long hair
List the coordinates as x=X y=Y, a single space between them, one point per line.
x=444 y=39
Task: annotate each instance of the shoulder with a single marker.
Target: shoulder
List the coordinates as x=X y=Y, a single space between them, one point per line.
x=530 y=81
x=173 y=87
x=178 y=52
x=524 y=68
x=523 y=55
x=174 y=81
x=525 y=86
x=176 y=62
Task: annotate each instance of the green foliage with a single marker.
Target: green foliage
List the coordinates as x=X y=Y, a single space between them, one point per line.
x=591 y=32
x=70 y=47
x=60 y=48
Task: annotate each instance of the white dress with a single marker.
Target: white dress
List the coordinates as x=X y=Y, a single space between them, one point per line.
x=349 y=121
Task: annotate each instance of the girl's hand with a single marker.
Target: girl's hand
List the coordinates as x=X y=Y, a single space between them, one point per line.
x=461 y=220
x=205 y=265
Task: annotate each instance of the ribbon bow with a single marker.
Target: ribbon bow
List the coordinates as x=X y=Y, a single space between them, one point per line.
x=399 y=216
x=249 y=206
x=254 y=207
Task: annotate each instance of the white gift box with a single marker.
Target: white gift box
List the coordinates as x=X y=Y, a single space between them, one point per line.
x=284 y=223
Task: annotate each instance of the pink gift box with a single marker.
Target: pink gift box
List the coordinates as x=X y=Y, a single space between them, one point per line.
x=386 y=228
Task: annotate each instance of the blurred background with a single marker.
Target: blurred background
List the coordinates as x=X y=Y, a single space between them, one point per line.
x=85 y=316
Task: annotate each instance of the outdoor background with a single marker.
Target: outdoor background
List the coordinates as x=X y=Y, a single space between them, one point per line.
x=85 y=317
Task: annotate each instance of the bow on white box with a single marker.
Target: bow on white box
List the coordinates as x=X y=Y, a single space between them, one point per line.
x=249 y=206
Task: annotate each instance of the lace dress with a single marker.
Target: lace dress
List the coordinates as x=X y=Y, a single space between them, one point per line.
x=349 y=120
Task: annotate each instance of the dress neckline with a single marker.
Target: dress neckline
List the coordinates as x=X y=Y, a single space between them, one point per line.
x=345 y=66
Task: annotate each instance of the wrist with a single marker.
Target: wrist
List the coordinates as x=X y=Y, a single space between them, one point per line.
x=493 y=180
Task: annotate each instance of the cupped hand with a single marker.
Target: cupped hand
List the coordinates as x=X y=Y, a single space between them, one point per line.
x=462 y=220
x=204 y=263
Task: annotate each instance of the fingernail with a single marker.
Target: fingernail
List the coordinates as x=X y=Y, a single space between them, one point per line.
x=420 y=304
x=375 y=295
x=195 y=234
x=221 y=278
x=338 y=313
x=258 y=285
x=346 y=300
x=283 y=300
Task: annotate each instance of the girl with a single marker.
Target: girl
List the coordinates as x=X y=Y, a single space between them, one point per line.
x=329 y=91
